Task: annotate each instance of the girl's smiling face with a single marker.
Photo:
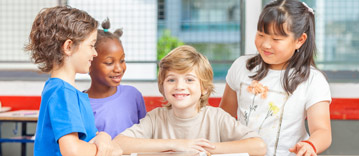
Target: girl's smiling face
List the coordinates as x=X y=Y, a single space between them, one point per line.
x=276 y=50
x=183 y=90
x=109 y=66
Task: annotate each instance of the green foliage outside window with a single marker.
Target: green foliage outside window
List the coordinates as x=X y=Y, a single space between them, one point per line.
x=166 y=43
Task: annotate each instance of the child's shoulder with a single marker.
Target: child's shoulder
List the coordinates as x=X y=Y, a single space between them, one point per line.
x=240 y=62
x=244 y=58
x=316 y=74
x=216 y=114
x=57 y=83
x=162 y=109
x=56 y=88
x=316 y=78
x=159 y=112
x=314 y=71
x=211 y=110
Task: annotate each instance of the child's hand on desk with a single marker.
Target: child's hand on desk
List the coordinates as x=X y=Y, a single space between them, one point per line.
x=197 y=145
x=103 y=142
x=303 y=149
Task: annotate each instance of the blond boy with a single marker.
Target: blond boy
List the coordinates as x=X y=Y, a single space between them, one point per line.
x=186 y=123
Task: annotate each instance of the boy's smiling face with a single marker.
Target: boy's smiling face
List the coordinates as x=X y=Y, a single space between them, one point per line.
x=82 y=56
x=182 y=90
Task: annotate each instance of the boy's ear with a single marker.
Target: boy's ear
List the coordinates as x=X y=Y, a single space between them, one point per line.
x=67 y=46
x=301 y=40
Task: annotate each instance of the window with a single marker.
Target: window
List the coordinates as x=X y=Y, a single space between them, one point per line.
x=211 y=26
x=161 y=14
x=203 y=15
x=16 y=19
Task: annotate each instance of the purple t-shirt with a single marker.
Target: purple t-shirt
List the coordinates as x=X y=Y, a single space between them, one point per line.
x=119 y=111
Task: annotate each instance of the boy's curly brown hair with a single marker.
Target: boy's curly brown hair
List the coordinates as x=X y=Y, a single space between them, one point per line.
x=51 y=28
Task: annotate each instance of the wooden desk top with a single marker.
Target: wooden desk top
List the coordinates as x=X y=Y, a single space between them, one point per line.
x=20 y=115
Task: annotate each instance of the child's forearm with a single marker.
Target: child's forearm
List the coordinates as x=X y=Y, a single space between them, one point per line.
x=86 y=148
x=76 y=147
x=136 y=145
x=252 y=146
x=318 y=117
x=321 y=139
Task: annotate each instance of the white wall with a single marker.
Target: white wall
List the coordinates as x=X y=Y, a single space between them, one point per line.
x=253 y=9
x=138 y=19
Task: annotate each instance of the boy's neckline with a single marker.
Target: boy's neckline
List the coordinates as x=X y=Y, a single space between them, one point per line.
x=65 y=79
x=185 y=118
x=185 y=121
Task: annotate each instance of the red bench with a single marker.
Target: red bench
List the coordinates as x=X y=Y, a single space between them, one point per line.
x=340 y=109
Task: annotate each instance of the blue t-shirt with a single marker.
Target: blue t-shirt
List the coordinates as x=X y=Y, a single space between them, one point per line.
x=119 y=111
x=63 y=110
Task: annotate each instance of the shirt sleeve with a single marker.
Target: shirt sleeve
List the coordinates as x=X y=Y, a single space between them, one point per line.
x=231 y=129
x=233 y=74
x=318 y=89
x=141 y=106
x=142 y=130
x=65 y=116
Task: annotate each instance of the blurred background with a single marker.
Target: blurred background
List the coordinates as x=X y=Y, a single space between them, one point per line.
x=222 y=30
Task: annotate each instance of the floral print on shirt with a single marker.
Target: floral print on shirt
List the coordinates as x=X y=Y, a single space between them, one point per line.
x=261 y=108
